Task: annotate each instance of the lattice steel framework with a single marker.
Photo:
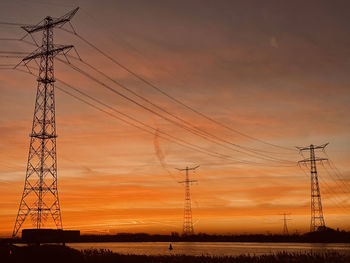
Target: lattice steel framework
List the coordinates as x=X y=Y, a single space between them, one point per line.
x=285 y=227
x=40 y=195
x=187 y=223
x=317 y=220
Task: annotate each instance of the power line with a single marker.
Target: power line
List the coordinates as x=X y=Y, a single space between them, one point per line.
x=11 y=24
x=343 y=187
x=329 y=190
x=193 y=146
x=162 y=116
x=133 y=119
x=339 y=178
x=203 y=150
x=174 y=139
x=254 y=151
x=337 y=202
x=336 y=171
x=13 y=52
x=19 y=39
x=166 y=94
x=169 y=113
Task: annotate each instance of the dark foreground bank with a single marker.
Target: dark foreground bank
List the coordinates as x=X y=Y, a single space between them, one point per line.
x=53 y=253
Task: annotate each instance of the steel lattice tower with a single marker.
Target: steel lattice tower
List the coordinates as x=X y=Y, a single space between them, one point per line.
x=317 y=220
x=285 y=228
x=187 y=223
x=40 y=194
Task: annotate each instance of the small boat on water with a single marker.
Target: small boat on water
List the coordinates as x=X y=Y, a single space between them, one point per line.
x=170 y=247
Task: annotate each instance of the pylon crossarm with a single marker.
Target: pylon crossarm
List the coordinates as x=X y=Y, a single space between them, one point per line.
x=189 y=181
x=51 y=52
x=315 y=159
x=53 y=22
x=315 y=147
x=188 y=169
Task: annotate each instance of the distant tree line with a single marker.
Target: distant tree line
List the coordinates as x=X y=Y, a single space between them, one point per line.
x=327 y=235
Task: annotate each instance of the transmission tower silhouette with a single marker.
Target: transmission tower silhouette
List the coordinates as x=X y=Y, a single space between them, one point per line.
x=317 y=220
x=285 y=219
x=187 y=223
x=40 y=194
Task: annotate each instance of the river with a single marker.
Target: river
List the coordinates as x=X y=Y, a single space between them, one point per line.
x=213 y=249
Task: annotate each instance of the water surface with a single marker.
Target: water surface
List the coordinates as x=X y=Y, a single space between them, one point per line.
x=213 y=248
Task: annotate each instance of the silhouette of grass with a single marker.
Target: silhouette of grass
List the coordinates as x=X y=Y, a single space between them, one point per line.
x=108 y=256
x=55 y=253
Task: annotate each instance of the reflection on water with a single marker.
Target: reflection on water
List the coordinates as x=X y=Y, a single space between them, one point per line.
x=213 y=249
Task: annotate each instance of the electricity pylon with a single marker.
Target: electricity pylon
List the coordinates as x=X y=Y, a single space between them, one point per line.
x=40 y=194
x=285 y=219
x=187 y=224
x=317 y=220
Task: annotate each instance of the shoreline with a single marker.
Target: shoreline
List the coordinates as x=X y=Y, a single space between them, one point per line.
x=198 y=242
x=328 y=236
x=175 y=242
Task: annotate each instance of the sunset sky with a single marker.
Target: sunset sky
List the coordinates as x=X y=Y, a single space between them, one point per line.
x=277 y=71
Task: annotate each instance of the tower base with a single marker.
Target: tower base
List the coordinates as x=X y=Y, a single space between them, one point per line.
x=37 y=236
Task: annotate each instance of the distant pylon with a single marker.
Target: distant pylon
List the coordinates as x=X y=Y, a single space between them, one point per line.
x=40 y=194
x=285 y=228
x=187 y=224
x=317 y=220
